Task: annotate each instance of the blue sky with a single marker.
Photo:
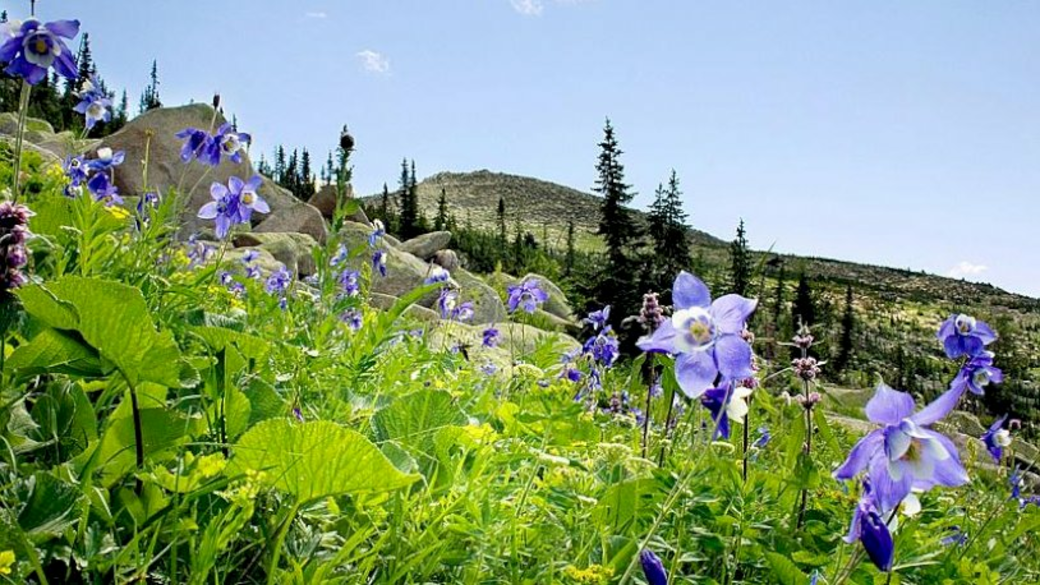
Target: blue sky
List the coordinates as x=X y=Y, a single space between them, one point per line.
x=897 y=133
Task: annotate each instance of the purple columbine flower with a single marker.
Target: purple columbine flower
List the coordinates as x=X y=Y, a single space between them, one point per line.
x=704 y=335
x=653 y=569
x=964 y=335
x=599 y=319
x=603 y=347
x=869 y=527
x=763 y=437
x=488 y=369
x=904 y=453
x=278 y=282
x=976 y=374
x=233 y=204
x=378 y=231
x=526 y=296
x=997 y=438
x=379 y=262
x=94 y=104
x=31 y=48
x=728 y=403
x=106 y=159
x=353 y=318
x=490 y=337
x=250 y=256
x=76 y=170
x=341 y=256
x=227 y=142
x=197 y=144
x=437 y=275
x=103 y=190
x=350 y=282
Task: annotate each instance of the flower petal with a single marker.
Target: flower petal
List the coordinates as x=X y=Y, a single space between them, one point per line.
x=939 y=408
x=695 y=373
x=733 y=357
x=688 y=291
x=860 y=455
x=661 y=341
x=208 y=211
x=64 y=28
x=731 y=312
x=889 y=406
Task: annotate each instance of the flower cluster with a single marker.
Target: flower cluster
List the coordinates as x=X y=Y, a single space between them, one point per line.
x=527 y=296
x=94 y=104
x=806 y=368
x=651 y=314
x=210 y=149
x=14 y=230
x=95 y=174
x=233 y=204
x=31 y=48
x=451 y=309
x=905 y=454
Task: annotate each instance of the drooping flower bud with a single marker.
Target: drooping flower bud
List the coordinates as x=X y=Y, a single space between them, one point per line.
x=653 y=568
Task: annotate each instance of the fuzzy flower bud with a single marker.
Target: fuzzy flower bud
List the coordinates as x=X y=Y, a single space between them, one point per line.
x=651 y=315
x=806 y=368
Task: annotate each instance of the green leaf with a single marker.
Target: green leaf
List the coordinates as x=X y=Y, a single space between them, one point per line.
x=415 y=419
x=314 y=460
x=50 y=508
x=620 y=508
x=56 y=352
x=114 y=319
x=785 y=571
x=806 y=476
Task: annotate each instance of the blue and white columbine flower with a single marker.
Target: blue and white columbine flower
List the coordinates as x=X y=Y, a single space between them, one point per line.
x=378 y=231
x=527 y=295
x=233 y=204
x=379 y=262
x=31 y=48
x=230 y=143
x=705 y=337
x=997 y=438
x=94 y=104
x=963 y=335
x=976 y=374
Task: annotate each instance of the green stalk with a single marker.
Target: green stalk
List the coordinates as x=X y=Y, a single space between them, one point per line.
x=23 y=115
x=138 y=430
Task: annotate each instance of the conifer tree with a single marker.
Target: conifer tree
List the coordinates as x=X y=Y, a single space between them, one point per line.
x=307 y=180
x=441 y=221
x=150 y=98
x=618 y=229
x=667 y=220
x=410 y=221
x=279 y=164
x=501 y=219
x=804 y=310
x=740 y=263
x=778 y=302
x=847 y=324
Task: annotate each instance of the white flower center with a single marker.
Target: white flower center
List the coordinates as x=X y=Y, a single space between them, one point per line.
x=1002 y=438
x=96 y=110
x=981 y=377
x=695 y=327
x=231 y=144
x=965 y=324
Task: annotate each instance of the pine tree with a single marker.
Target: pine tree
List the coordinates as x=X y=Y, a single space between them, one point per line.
x=671 y=251
x=384 y=206
x=501 y=219
x=307 y=179
x=740 y=263
x=847 y=324
x=279 y=165
x=410 y=221
x=441 y=221
x=568 y=259
x=150 y=98
x=617 y=228
x=121 y=113
x=804 y=310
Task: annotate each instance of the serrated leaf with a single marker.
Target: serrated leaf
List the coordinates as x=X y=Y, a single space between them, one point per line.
x=59 y=352
x=50 y=508
x=416 y=418
x=785 y=571
x=315 y=460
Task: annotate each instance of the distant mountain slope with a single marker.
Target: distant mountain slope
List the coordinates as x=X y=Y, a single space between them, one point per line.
x=544 y=209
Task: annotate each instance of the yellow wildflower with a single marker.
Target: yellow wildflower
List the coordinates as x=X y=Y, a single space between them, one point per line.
x=6 y=562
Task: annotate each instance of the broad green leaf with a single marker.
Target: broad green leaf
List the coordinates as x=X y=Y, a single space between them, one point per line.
x=785 y=571
x=620 y=508
x=314 y=460
x=56 y=352
x=114 y=319
x=415 y=419
x=50 y=509
x=65 y=416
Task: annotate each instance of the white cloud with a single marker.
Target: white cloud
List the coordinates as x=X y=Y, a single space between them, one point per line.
x=374 y=62
x=966 y=269
x=318 y=15
x=528 y=7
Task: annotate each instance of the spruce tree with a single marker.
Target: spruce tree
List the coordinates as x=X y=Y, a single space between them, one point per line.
x=441 y=221
x=568 y=259
x=847 y=324
x=618 y=229
x=804 y=310
x=667 y=221
x=410 y=222
x=307 y=180
x=501 y=219
x=150 y=97
x=740 y=263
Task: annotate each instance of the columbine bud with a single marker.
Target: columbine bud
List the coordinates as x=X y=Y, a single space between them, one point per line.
x=653 y=568
x=216 y=101
x=806 y=368
x=651 y=315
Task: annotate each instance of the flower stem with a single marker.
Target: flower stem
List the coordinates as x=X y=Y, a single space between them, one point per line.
x=808 y=443
x=23 y=115
x=648 y=378
x=138 y=432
